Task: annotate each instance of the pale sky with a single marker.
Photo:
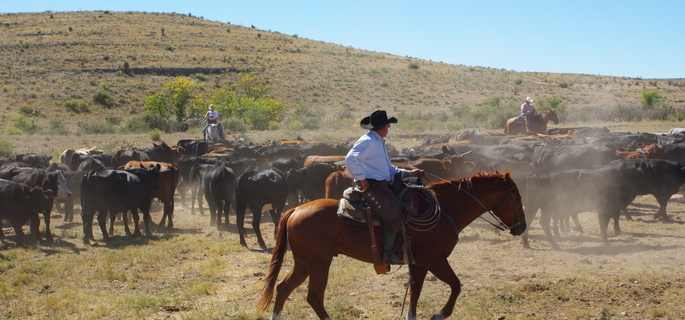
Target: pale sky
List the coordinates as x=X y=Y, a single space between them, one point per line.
x=627 y=38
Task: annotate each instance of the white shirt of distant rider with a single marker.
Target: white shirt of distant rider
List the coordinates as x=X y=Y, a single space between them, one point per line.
x=527 y=108
x=212 y=116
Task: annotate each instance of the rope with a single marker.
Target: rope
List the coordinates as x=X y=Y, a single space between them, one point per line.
x=428 y=219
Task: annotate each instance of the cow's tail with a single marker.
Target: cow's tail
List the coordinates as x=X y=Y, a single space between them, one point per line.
x=276 y=262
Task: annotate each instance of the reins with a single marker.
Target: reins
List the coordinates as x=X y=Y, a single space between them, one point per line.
x=501 y=226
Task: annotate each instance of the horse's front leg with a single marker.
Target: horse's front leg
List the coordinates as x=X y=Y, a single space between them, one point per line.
x=443 y=271
x=418 y=276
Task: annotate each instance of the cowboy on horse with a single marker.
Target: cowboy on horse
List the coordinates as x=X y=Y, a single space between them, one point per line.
x=212 y=117
x=373 y=173
x=527 y=113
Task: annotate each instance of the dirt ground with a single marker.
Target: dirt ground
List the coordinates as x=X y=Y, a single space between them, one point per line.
x=637 y=276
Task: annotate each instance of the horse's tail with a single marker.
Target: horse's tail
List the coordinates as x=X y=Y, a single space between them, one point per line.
x=276 y=262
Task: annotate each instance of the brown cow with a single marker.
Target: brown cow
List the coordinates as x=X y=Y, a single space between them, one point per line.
x=316 y=159
x=450 y=167
x=337 y=182
x=539 y=137
x=168 y=180
x=652 y=151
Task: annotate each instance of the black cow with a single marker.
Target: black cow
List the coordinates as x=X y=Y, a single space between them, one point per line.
x=564 y=157
x=310 y=181
x=563 y=193
x=90 y=164
x=34 y=159
x=255 y=189
x=117 y=191
x=185 y=164
x=219 y=189
x=660 y=178
x=19 y=204
x=33 y=177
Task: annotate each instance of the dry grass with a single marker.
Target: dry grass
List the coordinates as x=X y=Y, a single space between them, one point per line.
x=198 y=272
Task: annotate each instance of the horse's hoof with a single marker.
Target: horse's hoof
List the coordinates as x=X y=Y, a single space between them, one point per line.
x=437 y=317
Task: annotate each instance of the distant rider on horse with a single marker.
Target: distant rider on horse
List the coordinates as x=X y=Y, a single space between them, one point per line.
x=212 y=117
x=527 y=113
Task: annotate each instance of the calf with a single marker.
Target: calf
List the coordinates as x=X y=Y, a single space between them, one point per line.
x=19 y=204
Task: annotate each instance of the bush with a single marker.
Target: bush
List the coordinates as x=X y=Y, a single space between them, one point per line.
x=27 y=111
x=5 y=149
x=56 y=126
x=413 y=66
x=21 y=125
x=136 y=125
x=155 y=134
x=113 y=120
x=232 y=124
x=309 y=118
x=103 y=99
x=650 y=99
x=76 y=106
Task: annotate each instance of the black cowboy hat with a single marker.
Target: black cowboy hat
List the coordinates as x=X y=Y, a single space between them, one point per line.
x=377 y=119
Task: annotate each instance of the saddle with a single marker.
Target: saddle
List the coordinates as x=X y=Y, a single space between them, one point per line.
x=354 y=210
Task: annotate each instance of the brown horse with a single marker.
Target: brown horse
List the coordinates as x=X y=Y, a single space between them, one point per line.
x=539 y=125
x=316 y=234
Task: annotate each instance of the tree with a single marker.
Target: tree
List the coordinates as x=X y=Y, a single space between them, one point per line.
x=176 y=99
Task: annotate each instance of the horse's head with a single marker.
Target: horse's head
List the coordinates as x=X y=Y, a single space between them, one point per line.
x=552 y=116
x=510 y=210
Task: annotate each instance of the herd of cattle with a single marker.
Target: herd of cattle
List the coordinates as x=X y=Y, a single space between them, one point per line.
x=560 y=174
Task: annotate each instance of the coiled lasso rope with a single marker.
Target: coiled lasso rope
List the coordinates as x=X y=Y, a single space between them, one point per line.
x=428 y=219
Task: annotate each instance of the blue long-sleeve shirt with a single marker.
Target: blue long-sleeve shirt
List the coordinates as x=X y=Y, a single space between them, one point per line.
x=368 y=159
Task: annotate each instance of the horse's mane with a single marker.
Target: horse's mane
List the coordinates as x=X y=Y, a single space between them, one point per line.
x=468 y=181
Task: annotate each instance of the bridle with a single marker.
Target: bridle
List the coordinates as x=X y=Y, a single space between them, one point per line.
x=500 y=224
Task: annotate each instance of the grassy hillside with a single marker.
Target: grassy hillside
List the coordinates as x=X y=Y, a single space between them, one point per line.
x=53 y=57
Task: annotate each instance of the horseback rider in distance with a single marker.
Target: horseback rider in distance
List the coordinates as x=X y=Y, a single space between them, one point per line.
x=369 y=163
x=527 y=112
x=212 y=117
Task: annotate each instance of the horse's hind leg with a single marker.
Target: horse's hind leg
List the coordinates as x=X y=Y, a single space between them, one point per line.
x=283 y=290
x=317 y=286
x=418 y=276
x=442 y=270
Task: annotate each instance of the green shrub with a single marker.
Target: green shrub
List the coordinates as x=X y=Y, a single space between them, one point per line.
x=27 y=111
x=200 y=76
x=56 y=126
x=136 y=125
x=95 y=127
x=309 y=118
x=21 y=125
x=274 y=126
x=295 y=125
x=5 y=149
x=233 y=124
x=650 y=99
x=155 y=134
x=113 y=120
x=103 y=99
x=413 y=66
x=76 y=106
